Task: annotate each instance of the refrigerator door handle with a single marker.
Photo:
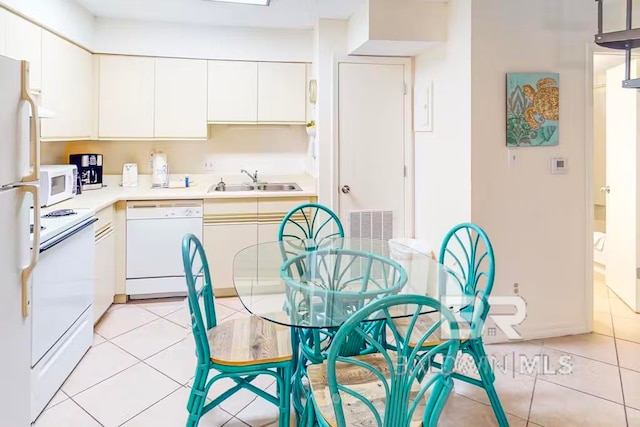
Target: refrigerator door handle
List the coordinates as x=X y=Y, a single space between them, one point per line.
x=35 y=248
x=34 y=137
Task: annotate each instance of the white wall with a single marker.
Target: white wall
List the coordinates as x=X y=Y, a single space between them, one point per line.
x=536 y=221
x=443 y=157
x=269 y=149
x=193 y=41
x=398 y=28
x=64 y=17
x=330 y=43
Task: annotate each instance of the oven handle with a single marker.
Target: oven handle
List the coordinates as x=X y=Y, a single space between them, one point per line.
x=60 y=239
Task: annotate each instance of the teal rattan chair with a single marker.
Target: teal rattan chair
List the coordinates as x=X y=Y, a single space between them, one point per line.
x=388 y=388
x=310 y=224
x=325 y=288
x=240 y=349
x=467 y=253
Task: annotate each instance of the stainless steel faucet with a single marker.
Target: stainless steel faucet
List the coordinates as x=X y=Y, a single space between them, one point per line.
x=254 y=176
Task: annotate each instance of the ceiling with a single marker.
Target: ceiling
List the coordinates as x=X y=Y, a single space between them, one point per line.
x=280 y=14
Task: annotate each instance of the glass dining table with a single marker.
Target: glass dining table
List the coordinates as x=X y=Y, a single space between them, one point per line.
x=299 y=284
x=316 y=286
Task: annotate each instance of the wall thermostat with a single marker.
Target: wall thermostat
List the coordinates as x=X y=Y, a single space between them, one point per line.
x=558 y=165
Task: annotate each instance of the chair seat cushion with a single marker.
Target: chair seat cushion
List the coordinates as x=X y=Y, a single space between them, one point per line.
x=423 y=324
x=362 y=381
x=249 y=340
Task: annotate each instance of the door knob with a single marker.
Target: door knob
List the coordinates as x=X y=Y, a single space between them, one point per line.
x=606 y=189
x=346 y=189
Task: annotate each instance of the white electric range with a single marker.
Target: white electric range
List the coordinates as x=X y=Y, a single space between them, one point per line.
x=62 y=293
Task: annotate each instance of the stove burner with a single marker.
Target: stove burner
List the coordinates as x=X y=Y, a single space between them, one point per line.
x=31 y=228
x=59 y=213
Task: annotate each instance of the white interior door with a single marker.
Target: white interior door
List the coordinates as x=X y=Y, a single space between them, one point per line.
x=622 y=180
x=371 y=108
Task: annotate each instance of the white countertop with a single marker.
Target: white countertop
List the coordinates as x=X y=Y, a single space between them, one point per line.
x=199 y=184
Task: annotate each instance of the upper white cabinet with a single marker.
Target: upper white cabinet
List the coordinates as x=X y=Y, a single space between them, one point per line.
x=180 y=98
x=24 y=42
x=233 y=91
x=272 y=92
x=126 y=92
x=67 y=89
x=282 y=92
x=3 y=32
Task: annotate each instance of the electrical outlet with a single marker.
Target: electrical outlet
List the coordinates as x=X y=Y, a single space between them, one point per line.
x=208 y=165
x=516 y=288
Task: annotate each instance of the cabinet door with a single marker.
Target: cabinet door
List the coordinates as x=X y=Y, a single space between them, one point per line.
x=126 y=105
x=24 y=42
x=282 y=92
x=233 y=91
x=3 y=32
x=67 y=87
x=222 y=242
x=105 y=284
x=180 y=98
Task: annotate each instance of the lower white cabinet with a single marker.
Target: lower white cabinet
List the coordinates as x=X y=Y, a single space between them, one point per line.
x=105 y=283
x=222 y=242
x=232 y=225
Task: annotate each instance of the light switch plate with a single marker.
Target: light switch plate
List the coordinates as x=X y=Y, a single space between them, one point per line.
x=558 y=165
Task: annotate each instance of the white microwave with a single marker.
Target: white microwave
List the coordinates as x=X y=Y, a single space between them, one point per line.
x=57 y=183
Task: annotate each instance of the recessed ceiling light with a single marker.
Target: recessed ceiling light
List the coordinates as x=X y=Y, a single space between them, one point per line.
x=251 y=2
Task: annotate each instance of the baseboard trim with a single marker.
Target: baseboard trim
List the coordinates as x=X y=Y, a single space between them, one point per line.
x=544 y=332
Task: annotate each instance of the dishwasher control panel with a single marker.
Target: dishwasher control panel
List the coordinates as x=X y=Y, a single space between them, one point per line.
x=164 y=209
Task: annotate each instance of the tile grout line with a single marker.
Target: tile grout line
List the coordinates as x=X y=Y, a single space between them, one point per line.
x=579 y=355
x=584 y=392
x=237 y=419
x=533 y=390
x=133 y=329
x=87 y=412
x=149 y=407
x=615 y=343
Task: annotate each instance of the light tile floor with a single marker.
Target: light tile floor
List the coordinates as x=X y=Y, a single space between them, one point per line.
x=139 y=371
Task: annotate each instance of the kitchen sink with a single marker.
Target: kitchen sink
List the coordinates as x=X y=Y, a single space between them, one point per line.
x=237 y=187
x=288 y=186
x=278 y=187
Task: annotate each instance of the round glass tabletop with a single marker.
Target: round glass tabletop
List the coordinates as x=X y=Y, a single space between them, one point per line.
x=304 y=284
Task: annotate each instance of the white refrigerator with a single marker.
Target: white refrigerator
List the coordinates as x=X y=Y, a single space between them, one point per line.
x=19 y=166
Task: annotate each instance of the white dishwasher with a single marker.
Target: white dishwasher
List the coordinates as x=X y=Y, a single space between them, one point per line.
x=154 y=245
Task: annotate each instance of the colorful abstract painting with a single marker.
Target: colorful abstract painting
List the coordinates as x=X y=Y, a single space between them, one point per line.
x=533 y=107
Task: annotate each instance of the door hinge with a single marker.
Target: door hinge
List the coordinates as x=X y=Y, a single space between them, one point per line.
x=405 y=171
x=404 y=88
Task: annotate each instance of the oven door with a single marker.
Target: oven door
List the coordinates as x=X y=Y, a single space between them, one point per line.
x=62 y=286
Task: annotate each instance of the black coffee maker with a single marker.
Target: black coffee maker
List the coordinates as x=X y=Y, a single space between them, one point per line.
x=89 y=170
